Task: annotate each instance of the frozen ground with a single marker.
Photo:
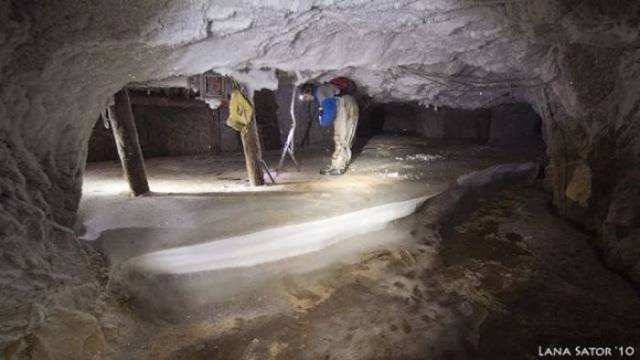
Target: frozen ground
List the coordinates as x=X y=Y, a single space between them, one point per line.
x=199 y=199
x=199 y=236
x=472 y=275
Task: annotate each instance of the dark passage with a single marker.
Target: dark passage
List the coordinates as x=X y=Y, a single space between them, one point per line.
x=505 y=125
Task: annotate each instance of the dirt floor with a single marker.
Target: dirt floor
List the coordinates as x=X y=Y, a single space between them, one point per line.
x=544 y=284
x=497 y=279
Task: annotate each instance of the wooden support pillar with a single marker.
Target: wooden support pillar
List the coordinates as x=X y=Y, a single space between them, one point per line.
x=125 y=133
x=251 y=147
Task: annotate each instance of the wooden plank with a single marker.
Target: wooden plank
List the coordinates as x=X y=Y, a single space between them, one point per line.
x=126 y=135
x=156 y=100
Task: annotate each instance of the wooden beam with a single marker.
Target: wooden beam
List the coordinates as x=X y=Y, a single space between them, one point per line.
x=251 y=147
x=157 y=100
x=125 y=133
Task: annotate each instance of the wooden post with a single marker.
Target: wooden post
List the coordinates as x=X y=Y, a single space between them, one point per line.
x=251 y=148
x=125 y=133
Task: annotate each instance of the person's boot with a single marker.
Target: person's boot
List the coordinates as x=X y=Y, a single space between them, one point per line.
x=326 y=170
x=336 y=172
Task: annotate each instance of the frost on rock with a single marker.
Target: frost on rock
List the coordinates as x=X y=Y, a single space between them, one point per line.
x=576 y=62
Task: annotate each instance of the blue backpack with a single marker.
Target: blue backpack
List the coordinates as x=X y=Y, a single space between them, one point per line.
x=328 y=111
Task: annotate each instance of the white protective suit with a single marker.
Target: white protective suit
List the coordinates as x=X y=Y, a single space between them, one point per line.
x=344 y=131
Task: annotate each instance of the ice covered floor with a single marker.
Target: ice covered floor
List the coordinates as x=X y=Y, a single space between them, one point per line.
x=203 y=198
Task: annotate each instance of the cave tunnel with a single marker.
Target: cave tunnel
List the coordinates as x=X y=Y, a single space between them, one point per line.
x=431 y=179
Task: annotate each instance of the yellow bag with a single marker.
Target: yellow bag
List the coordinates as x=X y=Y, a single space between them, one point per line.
x=240 y=112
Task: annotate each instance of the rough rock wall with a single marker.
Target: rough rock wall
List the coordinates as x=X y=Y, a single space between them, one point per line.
x=576 y=61
x=591 y=121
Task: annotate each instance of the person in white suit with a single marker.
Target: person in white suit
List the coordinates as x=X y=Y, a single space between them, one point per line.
x=342 y=111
